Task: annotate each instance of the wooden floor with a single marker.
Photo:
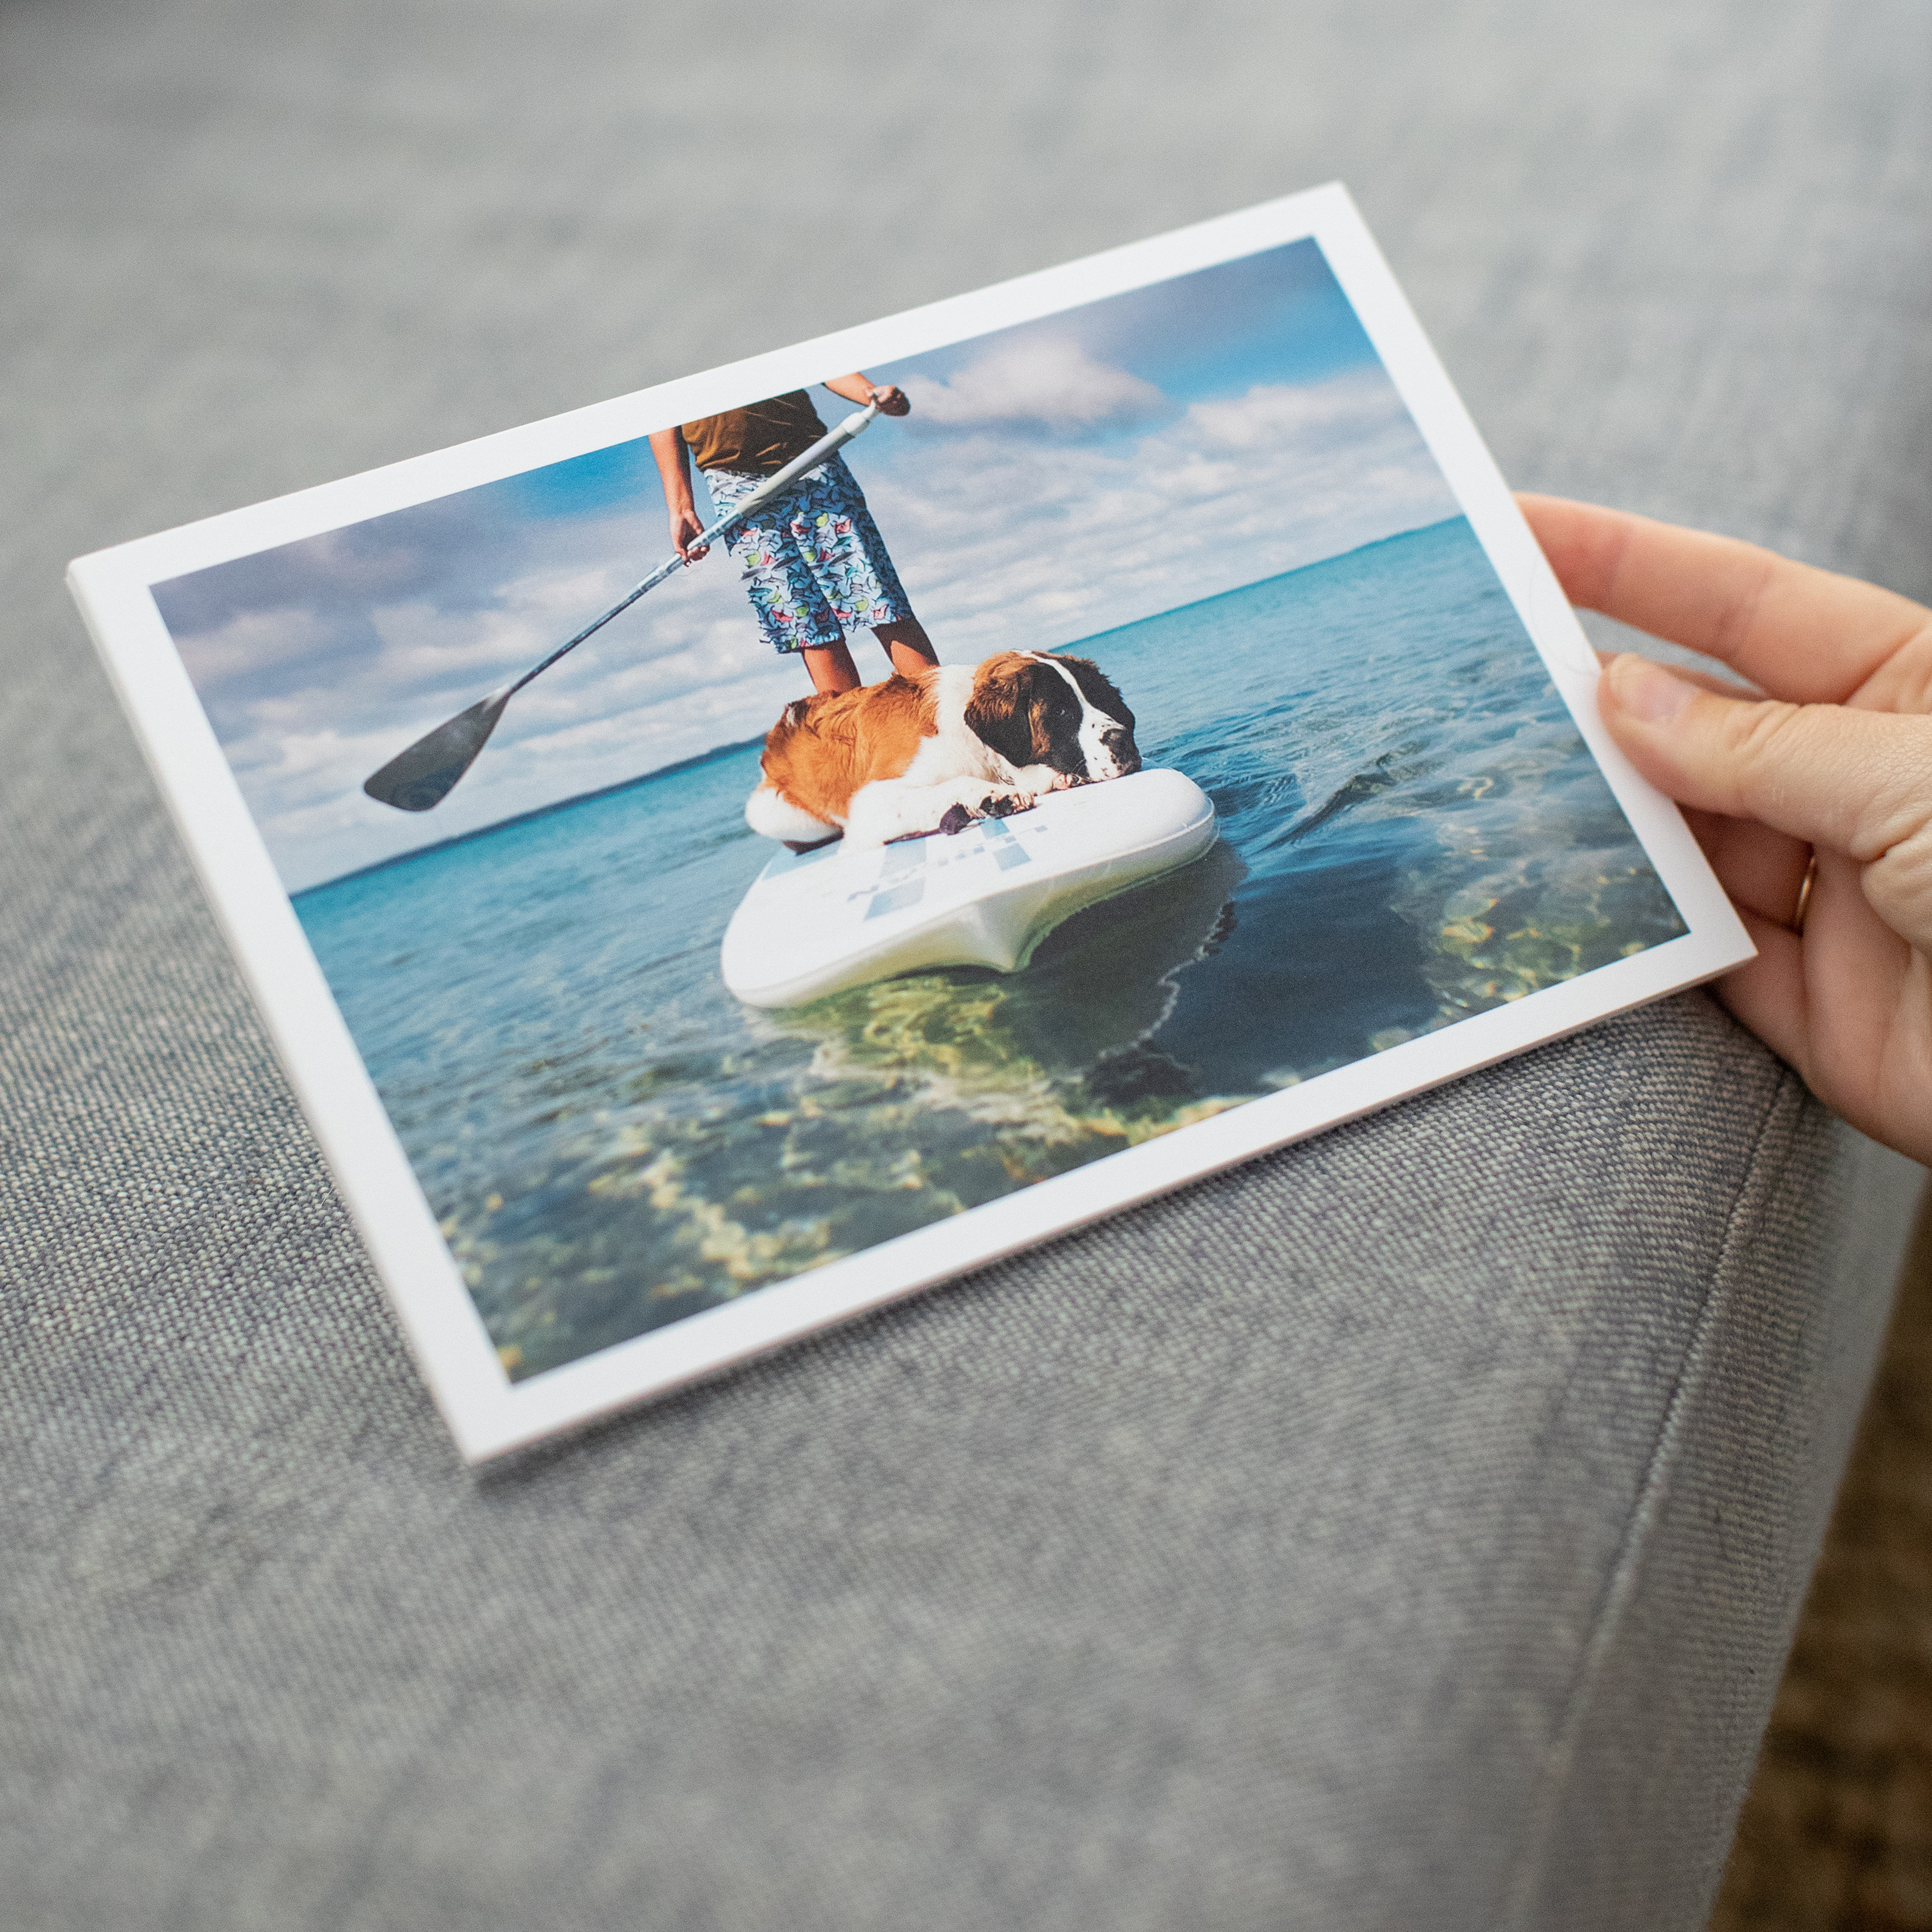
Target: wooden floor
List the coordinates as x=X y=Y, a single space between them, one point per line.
x=1836 y=1833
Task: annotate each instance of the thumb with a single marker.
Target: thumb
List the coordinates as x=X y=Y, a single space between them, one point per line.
x=1858 y=782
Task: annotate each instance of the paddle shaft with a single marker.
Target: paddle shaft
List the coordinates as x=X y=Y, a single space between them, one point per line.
x=773 y=486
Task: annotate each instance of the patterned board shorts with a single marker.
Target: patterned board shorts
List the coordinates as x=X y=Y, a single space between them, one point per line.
x=815 y=566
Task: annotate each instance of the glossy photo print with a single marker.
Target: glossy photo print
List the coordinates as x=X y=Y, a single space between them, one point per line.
x=968 y=766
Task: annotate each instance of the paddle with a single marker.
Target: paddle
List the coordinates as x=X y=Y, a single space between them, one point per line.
x=424 y=775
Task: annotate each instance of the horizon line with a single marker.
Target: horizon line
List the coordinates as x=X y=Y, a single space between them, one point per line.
x=696 y=759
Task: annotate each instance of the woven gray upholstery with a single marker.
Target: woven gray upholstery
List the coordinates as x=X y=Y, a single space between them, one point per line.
x=1406 y=1530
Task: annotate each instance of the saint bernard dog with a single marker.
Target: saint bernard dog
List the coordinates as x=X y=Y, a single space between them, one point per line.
x=931 y=752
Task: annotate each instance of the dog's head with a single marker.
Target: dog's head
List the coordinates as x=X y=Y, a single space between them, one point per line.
x=1060 y=713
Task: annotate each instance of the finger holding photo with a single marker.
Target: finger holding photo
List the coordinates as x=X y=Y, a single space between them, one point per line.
x=1813 y=801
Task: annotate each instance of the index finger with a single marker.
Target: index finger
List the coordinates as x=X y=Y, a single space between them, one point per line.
x=1801 y=634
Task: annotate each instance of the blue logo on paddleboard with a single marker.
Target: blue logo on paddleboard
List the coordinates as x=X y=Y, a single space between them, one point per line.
x=906 y=866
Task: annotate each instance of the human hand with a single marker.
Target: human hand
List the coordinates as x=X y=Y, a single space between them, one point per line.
x=684 y=527
x=1834 y=763
x=892 y=400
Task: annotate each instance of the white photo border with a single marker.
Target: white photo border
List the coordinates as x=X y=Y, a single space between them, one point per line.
x=486 y=1411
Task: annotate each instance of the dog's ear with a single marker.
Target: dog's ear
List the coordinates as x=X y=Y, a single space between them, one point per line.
x=1001 y=712
x=793 y=720
x=1098 y=688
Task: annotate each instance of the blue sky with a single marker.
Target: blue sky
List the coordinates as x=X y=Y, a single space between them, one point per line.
x=1053 y=480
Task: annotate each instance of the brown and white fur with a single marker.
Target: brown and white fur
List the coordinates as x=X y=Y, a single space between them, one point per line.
x=892 y=760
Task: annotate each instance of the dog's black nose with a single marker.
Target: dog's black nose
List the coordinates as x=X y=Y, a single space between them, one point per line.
x=1119 y=746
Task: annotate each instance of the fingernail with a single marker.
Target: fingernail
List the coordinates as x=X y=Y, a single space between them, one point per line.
x=1647 y=690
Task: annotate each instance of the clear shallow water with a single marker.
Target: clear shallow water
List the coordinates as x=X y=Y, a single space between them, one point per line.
x=1412 y=832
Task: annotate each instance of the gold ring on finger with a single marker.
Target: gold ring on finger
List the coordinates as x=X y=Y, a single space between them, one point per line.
x=1804 y=905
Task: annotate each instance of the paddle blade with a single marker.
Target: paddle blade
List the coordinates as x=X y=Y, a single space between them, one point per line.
x=414 y=780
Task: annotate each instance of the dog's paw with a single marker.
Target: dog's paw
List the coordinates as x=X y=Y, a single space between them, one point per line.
x=956 y=819
x=1003 y=804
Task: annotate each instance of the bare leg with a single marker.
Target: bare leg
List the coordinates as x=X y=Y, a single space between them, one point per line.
x=907 y=644
x=831 y=667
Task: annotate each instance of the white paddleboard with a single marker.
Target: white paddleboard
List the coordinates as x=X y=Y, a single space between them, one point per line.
x=816 y=923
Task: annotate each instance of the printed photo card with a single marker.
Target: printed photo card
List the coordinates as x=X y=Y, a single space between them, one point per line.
x=716 y=861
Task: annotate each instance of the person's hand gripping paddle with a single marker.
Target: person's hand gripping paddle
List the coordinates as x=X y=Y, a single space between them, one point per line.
x=424 y=775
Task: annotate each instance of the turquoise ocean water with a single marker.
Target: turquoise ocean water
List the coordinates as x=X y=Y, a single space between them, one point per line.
x=1412 y=832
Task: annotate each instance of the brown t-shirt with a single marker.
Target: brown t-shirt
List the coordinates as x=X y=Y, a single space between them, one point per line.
x=761 y=440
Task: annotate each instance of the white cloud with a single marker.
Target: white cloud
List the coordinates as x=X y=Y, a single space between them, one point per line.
x=253 y=642
x=1003 y=545
x=1050 y=381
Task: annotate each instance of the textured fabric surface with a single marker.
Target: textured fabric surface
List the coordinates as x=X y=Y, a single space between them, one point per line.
x=1406 y=1530
x=1206 y=1550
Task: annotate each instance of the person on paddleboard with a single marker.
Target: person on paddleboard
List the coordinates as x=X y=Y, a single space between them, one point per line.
x=814 y=565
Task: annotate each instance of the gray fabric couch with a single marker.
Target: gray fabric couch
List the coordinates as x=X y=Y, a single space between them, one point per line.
x=1405 y=1530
